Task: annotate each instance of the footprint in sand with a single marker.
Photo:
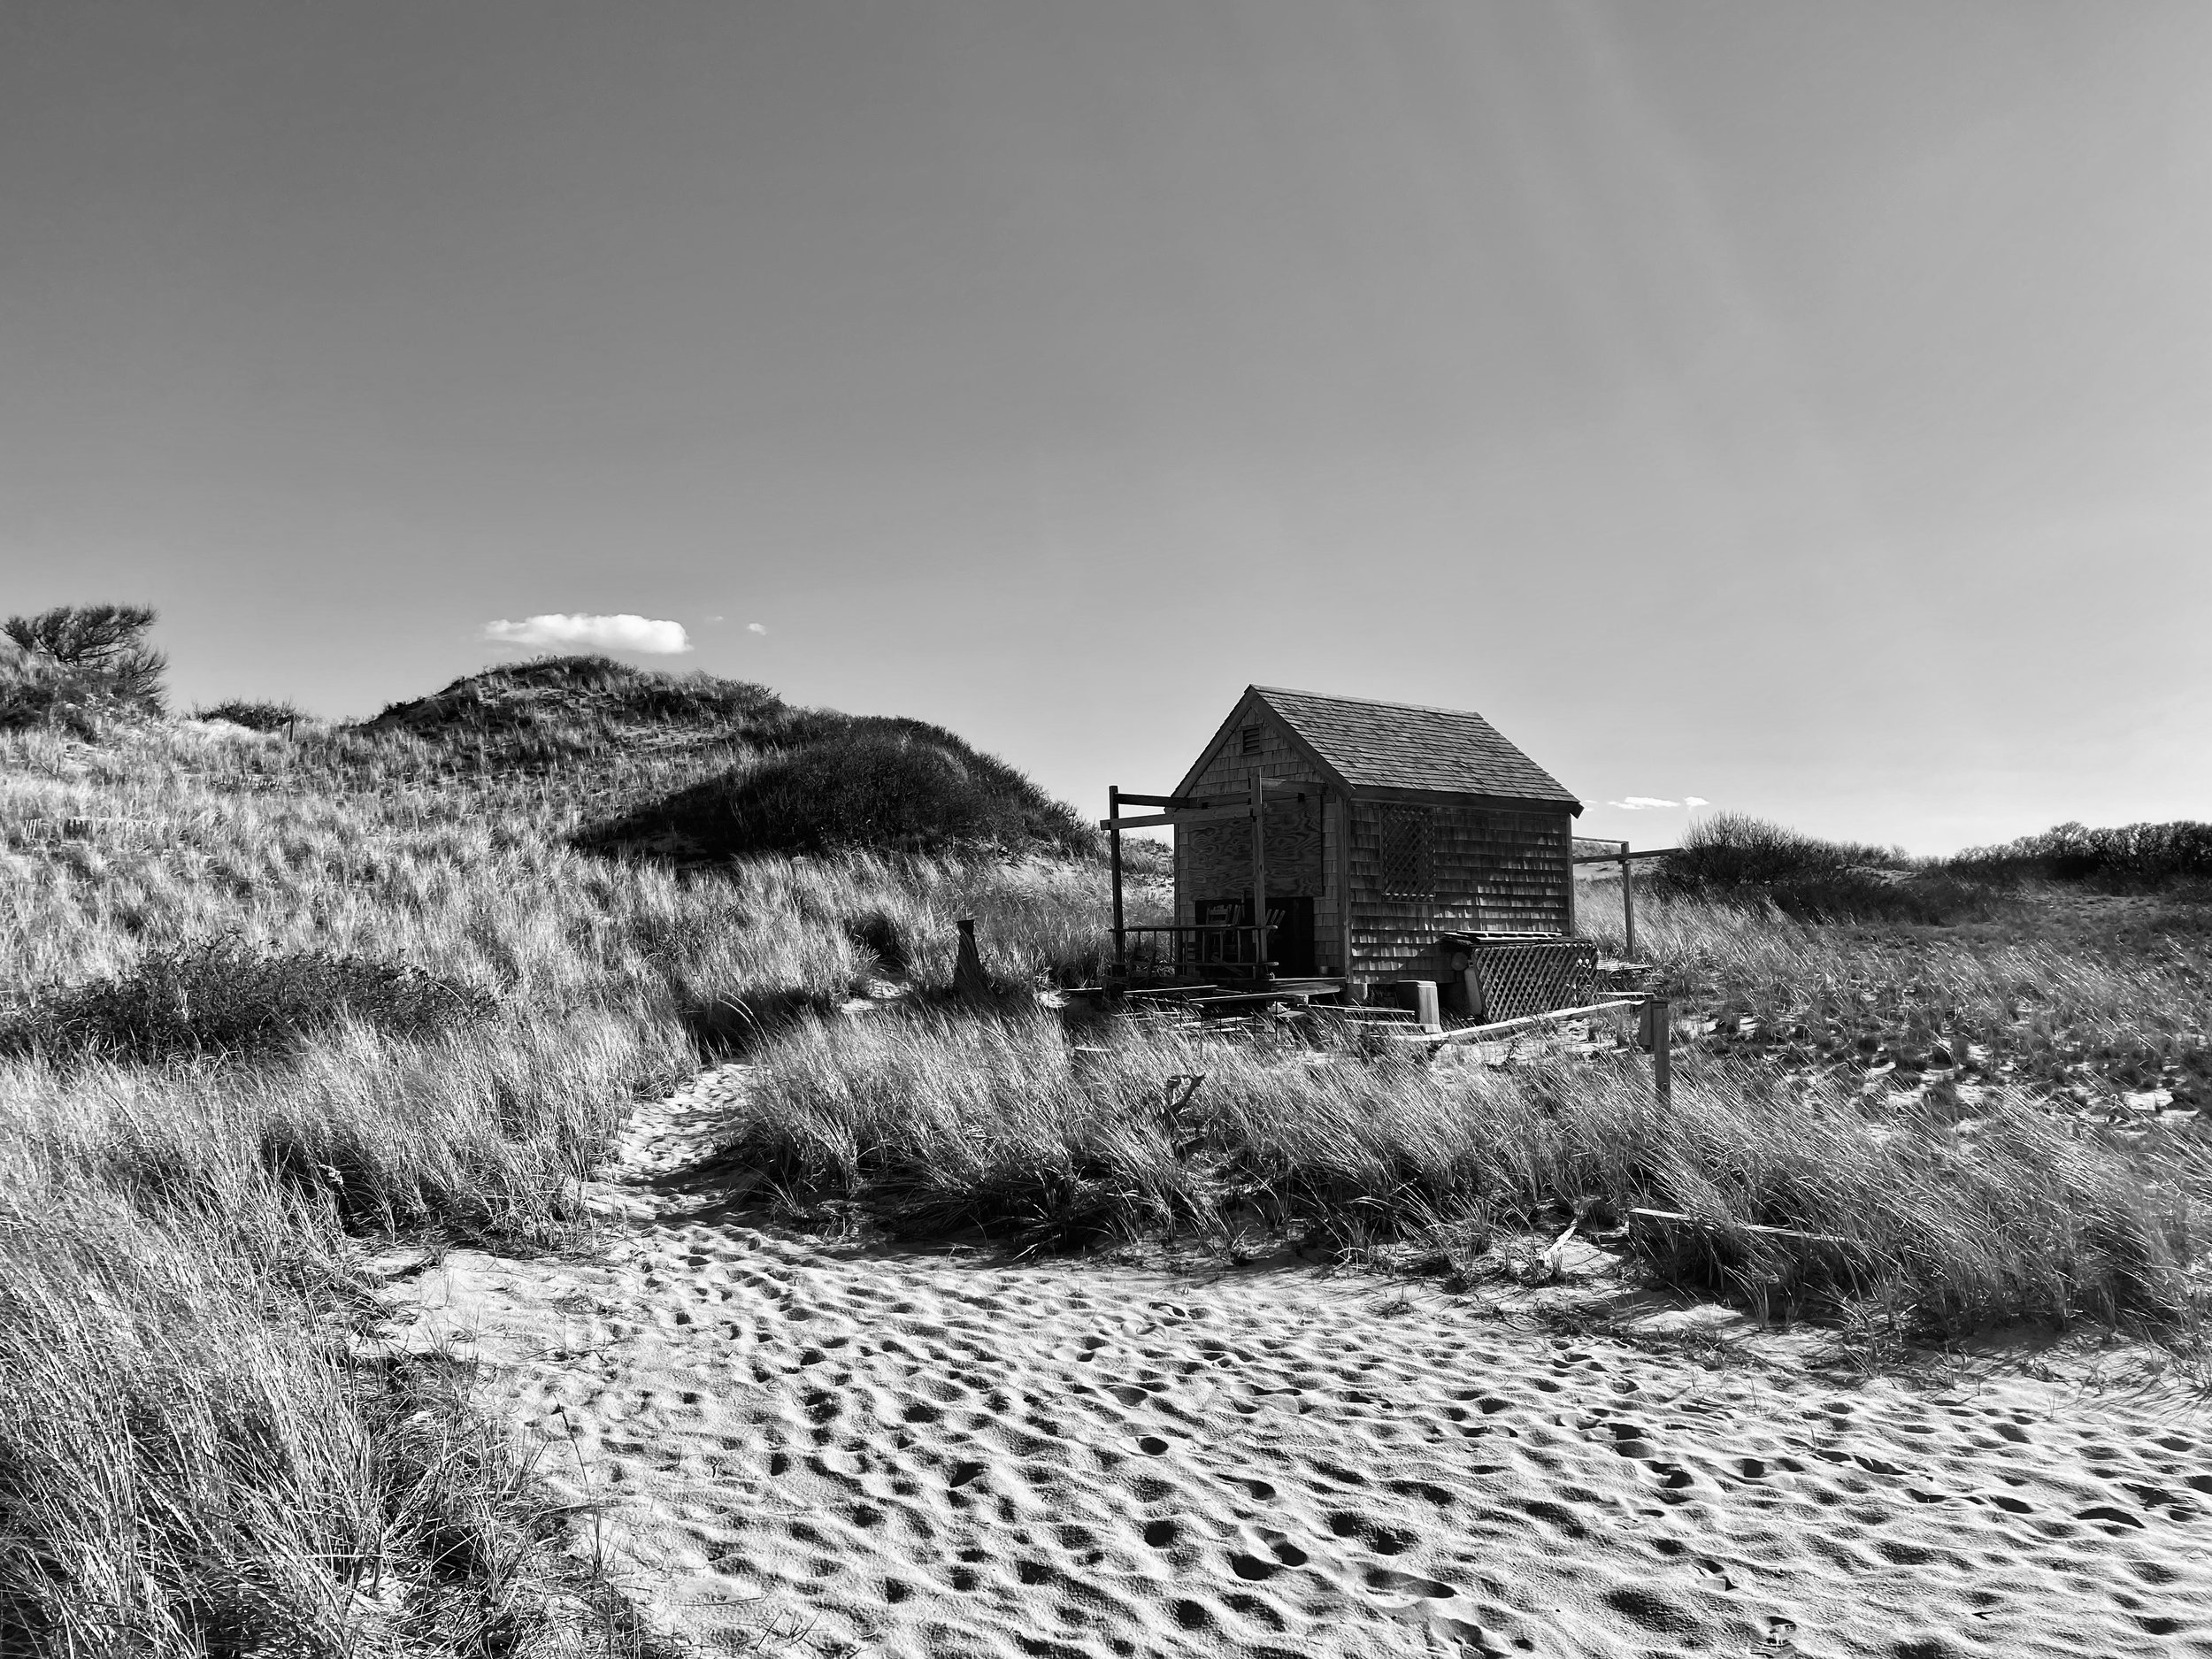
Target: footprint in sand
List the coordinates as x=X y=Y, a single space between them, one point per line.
x=1715 y=1576
x=1252 y=1569
x=1282 y=1552
x=1384 y=1581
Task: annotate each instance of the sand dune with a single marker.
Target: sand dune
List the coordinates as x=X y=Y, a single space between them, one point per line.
x=930 y=1453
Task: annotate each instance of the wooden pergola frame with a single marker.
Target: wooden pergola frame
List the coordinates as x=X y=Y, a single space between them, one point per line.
x=1628 y=886
x=1176 y=810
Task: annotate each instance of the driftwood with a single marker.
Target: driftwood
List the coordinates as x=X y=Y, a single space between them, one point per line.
x=1765 y=1232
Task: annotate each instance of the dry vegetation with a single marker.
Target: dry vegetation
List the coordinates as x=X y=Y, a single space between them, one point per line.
x=2091 y=1004
x=1978 y=1199
x=283 y=993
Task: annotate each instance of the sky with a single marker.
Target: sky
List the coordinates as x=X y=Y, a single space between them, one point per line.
x=1803 y=407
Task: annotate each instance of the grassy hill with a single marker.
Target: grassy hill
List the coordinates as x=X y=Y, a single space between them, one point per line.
x=834 y=782
x=693 y=768
x=554 y=712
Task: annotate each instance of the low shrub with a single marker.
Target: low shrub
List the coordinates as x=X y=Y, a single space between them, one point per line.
x=1733 y=850
x=2138 y=857
x=875 y=784
x=37 y=692
x=224 y=998
x=1731 y=856
x=1864 y=896
x=255 y=717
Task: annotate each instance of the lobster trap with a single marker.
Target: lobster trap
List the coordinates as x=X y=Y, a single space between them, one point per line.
x=1512 y=979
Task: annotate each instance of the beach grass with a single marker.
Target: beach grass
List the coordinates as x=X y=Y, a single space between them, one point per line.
x=1950 y=1220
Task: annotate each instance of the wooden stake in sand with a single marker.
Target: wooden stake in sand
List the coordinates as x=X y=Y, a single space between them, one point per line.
x=968 y=978
x=1113 y=851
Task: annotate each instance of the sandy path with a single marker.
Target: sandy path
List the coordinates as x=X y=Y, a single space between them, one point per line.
x=932 y=1455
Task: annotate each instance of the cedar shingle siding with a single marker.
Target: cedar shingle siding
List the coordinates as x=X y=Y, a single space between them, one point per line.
x=1427 y=820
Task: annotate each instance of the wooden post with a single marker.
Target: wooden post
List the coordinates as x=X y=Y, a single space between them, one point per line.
x=1662 y=1015
x=968 y=977
x=1425 y=1007
x=1570 y=878
x=1628 y=904
x=1344 y=895
x=1113 y=846
x=1259 y=877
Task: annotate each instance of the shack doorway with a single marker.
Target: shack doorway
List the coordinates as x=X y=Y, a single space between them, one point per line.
x=1289 y=937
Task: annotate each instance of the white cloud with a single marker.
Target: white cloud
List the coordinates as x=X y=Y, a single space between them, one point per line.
x=754 y=627
x=1695 y=799
x=717 y=618
x=622 y=633
x=1637 y=802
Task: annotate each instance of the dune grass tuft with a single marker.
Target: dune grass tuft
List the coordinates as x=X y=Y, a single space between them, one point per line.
x=937 y=1122
x=192 y=1463
x=222 y=999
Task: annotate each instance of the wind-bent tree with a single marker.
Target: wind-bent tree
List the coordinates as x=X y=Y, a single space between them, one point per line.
x=89 y=654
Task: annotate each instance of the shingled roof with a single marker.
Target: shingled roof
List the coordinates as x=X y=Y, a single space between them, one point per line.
x=1409 y=746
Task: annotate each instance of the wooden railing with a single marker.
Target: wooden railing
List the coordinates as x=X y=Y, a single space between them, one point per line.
x=1189 y=954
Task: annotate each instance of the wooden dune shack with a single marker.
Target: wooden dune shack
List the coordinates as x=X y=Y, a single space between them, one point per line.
x=1394 y=844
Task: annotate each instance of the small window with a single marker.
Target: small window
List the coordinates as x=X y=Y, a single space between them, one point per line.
x=1407 y=863
x=1248 y=741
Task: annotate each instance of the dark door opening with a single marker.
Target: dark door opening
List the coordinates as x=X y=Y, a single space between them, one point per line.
x=1289 y=935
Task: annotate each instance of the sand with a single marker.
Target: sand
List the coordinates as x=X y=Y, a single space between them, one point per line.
x=864 y=1451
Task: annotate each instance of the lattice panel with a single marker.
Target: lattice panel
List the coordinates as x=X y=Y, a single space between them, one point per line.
x=1535 y=978
x=1408 y=858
